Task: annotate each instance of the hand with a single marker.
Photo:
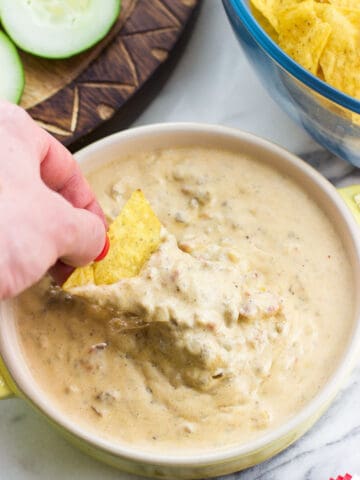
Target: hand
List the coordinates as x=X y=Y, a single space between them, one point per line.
x=47 y=209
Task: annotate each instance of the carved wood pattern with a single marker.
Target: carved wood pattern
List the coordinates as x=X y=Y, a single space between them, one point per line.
x=69 y=98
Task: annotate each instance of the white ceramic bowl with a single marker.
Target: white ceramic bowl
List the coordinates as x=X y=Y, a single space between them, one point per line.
x=18 y=377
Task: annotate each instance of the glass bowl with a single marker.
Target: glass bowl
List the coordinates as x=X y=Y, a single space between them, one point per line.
x=331 y=117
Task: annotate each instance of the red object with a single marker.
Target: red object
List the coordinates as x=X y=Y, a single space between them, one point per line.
x=339 y=477
x=105 y=251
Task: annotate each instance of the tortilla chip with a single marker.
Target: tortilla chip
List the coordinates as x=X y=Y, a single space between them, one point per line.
x=134 y=236
x=302 y=35
x=351 y=4
x=80 y=277
x=269 y=9
x=265 y=24
x=340 y=60
x=321 y=35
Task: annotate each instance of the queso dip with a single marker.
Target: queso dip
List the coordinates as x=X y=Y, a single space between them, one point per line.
x=232 y=326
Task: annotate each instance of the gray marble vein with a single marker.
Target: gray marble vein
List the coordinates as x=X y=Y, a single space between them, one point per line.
x=211 y=83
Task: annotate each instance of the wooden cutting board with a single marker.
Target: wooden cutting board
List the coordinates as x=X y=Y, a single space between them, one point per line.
x=71 y=97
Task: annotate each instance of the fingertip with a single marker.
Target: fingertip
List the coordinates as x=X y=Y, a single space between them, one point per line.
x=95 y=208
x=87 y=239
x=105 y=249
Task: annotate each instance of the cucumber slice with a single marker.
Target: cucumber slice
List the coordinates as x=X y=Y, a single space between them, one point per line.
x=12 y=72
x=57 y=28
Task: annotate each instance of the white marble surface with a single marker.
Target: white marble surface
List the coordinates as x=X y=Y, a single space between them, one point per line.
x=211 y=83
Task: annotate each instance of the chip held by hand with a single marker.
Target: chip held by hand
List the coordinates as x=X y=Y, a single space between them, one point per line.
x=134 y=235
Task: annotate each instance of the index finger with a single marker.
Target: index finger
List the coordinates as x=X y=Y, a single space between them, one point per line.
x=60 y=172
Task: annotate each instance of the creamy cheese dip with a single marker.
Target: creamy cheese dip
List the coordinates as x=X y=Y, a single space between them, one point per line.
x=232 y=326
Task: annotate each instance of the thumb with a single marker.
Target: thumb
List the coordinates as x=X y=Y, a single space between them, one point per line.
x=83 y=237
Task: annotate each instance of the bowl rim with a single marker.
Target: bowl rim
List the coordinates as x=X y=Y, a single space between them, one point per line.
x=243 y=12
x=23 y=381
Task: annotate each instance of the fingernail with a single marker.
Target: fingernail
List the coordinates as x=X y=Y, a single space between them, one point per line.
x=104 y=251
